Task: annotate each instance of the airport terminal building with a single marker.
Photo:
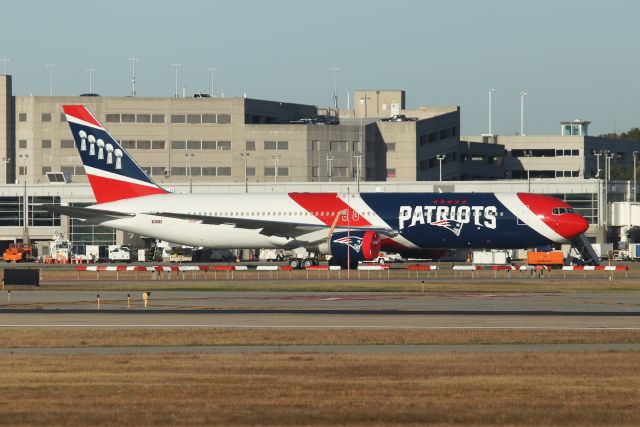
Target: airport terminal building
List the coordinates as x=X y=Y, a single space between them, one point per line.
x=204 y=144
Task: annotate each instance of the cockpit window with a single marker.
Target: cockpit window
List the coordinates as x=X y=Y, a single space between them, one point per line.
x=562 y=211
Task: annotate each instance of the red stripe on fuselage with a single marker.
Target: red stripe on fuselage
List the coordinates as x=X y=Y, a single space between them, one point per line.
x=80 y=112
x=110 y=190
x=325 y=206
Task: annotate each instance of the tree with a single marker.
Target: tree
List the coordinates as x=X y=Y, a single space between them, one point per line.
x=632 y=134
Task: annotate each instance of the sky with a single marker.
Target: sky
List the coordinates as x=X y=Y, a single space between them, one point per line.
x=574 y=59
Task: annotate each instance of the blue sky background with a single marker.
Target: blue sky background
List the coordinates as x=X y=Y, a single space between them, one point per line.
x=574 y=58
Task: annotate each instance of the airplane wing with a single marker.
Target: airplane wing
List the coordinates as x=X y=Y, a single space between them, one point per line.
x=269 y=228
x=86 y=213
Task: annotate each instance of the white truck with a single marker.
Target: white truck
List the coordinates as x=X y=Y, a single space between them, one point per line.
x=119 y=253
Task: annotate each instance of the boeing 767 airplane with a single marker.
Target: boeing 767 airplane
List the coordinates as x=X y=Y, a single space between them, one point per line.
x=350 y=227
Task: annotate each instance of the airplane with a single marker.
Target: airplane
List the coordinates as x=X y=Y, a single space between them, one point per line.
x=351 y=227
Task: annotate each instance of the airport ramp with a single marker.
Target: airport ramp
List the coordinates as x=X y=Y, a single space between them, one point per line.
x=586 y=251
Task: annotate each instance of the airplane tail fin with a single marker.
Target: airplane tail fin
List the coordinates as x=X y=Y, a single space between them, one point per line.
x=112 y=173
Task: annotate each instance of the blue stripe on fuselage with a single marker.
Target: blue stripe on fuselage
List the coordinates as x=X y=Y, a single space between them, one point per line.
x=453 y=220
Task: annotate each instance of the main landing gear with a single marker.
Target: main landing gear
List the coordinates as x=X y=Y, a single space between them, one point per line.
x=303 y=262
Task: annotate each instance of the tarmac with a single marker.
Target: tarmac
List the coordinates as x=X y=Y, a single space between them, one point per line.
x=320 y=310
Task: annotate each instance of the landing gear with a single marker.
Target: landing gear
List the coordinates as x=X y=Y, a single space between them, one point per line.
x=303 y=263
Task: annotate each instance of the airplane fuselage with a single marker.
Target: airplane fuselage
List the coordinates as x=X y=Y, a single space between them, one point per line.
x=421 y=220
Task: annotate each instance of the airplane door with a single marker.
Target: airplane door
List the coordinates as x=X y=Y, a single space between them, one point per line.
x=522 y=213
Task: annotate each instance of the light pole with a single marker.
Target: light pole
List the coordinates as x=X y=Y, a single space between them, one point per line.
x=440 y=158
x=335 y=93
x=91 y=69
x=133 y=60
x=635 y=190
x=357 y=157
x=245 y=156
x=25 y=217
x=528 y=154
x=177 y=66
x=522 y=95
x=598 y=154
x=50 y=66
x=276 y=159
x=213 y=82
x=607 y=175
x=490 y=107
x=189 y=156
x=329 y=164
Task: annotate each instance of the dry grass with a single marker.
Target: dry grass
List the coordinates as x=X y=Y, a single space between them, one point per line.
x=322 y=389
x=18 y=337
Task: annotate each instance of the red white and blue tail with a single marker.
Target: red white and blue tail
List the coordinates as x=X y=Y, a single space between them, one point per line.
x=113 y=174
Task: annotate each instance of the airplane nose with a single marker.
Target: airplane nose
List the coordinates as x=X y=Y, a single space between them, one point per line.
x=571 y=225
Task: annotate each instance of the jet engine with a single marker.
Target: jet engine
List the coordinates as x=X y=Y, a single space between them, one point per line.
x=352 y=247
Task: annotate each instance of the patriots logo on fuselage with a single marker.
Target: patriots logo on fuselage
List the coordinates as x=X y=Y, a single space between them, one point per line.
x=450 y=224
x=353 y=242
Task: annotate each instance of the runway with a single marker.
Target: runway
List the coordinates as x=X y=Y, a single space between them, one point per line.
x=318 y=310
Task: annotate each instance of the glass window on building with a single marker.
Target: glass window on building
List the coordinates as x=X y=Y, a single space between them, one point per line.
x=68 y=170
x=196 y=170
x=157 y=118
x=143 y=144
x=11 y=211
x=22 y=117
x=391 y=147
x=63 y=118
x=224 y=119
x=283 y=171
x=157 y=170
x=178 y=171
x=128 y=118
x=338 y=146
x=46 y=143
x=46 y=169
x=178 y=118
x=22 y=170
x=39 y=216
x=340 y=172
x=178 y=145
x=46 y=117
x=194 y=119
x=251 y=171
x=194 y=145
x=81 y=233
x=22 y=143
x=250 y=146
x=143 y=118
x=315 y=171
x=209 y=118
x=270 y=171
x=270 y=145
x=224 y=171
x=128 y=144
x=112 y=118
x=209 y=145
x=283 y=145
x=79 y=170
x=209 y=171
x=224 y=145
x=157 y=145
x=67 y=143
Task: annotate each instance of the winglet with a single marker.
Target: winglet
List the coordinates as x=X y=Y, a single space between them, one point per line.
x=112 y=172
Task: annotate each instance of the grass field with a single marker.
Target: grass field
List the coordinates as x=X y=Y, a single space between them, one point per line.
x=577 y=389
x=43 y=338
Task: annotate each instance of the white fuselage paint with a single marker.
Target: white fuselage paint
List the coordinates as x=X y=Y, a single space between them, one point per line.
x=272 y=207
